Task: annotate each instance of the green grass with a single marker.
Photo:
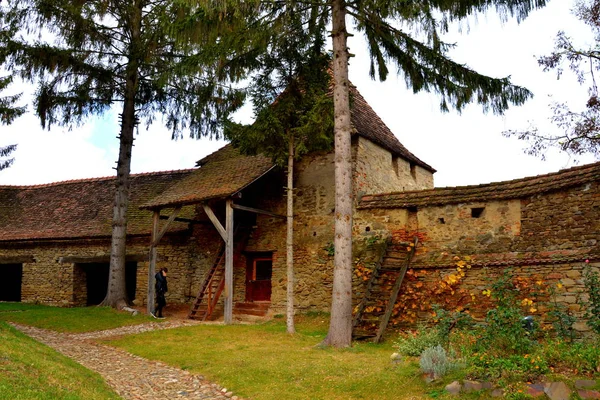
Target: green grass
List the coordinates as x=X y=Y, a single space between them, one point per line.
x=74 y=320
x=30 y=370
x=263 y=362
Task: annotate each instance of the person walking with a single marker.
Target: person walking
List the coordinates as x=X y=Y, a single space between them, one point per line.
x=161 y=288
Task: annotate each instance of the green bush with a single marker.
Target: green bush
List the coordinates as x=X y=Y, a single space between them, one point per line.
x=591 y=280
x=512 y=368
x=504 y=330
x=583 y=356
x=414 y=343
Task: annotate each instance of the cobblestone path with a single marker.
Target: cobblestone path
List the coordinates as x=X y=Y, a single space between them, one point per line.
x=132 y=377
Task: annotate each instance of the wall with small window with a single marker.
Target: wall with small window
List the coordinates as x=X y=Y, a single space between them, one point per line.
x=379 y=171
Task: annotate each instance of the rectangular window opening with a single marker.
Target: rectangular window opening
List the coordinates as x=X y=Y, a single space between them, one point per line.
x=477 y=212
x=396 y=165
x=413 y=171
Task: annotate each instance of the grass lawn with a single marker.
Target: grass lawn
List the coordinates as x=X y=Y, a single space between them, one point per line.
x=75 y=320
x=30 y=370
x=264 y=362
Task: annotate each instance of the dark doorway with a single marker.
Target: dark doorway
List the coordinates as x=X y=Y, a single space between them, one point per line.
x=258 y=277
x=96 y=277
x=12 y=277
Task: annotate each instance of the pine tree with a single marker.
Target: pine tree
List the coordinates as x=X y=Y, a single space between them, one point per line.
x=293 y=109
x=8 y=111
x=406 y=34
x=152 y=57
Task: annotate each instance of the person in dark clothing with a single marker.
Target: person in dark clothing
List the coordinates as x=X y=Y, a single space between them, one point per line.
x=161 y=288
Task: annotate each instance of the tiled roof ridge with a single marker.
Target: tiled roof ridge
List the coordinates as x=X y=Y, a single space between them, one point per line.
x=97 y=179
x=208 y=157
x=528 y=185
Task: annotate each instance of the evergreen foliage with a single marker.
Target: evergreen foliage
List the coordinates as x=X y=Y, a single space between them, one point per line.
x=293 y=110
x=404 y=33
x=290 y=94
x=8 y=111
x=153 y=57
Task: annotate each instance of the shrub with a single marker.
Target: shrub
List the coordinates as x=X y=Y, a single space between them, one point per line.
x=504 y=330
x=435 y=362
x=414 y=343
x=583 y=357
x=591 y=280
x=513 y=368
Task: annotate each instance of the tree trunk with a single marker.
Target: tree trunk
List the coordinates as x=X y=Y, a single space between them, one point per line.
x=116 y=295
x=290 y=238
x=340 y=327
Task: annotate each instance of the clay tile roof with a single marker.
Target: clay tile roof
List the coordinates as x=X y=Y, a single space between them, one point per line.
x=368 y=125
x=220 y=175
x=79 y=208
x=514 y=189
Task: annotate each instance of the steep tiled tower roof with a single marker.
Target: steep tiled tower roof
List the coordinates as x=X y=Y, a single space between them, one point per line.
x=368 y=125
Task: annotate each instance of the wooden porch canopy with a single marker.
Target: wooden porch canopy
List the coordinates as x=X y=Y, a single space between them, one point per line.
x=221 y=176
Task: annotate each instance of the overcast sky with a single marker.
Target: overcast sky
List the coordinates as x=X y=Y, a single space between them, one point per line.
x=465 y=149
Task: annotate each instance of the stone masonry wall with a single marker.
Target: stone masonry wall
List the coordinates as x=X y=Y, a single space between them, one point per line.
x=376 y=170
x=48 y=281
x=551 y=228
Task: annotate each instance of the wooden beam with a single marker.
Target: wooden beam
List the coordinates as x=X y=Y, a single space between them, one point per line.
x=257 y=211
x=156 y=238
x=186 y=220
x=152 y=265
x=215 y=221
x=17 y=260
x=228 y=313
x=97 y=259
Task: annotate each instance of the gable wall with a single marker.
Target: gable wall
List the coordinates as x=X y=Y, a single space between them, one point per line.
x=376 y=170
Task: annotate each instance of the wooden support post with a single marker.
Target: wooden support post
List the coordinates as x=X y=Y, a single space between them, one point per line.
x=156 y=238
x=152 y=265
x=228 y=317
x=211 y=215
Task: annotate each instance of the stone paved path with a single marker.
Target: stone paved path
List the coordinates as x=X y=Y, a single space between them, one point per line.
x=132 y=377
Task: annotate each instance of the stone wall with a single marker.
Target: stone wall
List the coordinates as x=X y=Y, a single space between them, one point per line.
x=376 y=170
x=49 y=281
x=545 y=238
x=563 y=220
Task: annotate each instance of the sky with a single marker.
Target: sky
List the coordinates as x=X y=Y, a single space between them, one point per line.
x=465 y=149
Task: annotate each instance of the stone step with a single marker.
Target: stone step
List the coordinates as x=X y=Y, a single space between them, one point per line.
x=252 y=308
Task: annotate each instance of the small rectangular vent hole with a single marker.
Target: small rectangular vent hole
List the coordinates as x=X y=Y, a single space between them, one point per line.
x=477 y=212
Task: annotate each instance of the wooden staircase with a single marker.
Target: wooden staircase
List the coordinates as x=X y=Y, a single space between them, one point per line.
x=208 y=297
x=375 y=309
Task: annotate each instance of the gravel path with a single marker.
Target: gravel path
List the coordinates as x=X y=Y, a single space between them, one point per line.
x=132 y=377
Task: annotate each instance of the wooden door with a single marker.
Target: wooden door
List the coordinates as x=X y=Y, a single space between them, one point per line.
x=258 y=278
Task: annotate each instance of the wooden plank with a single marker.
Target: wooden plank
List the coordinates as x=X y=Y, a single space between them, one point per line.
x=228 y=313
x=395 y=291
x=156 y=238
x=186 y=220
x=96 y=259
x=215 y=221
x=17 y=259
x=257 y=211
x=152 y=265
